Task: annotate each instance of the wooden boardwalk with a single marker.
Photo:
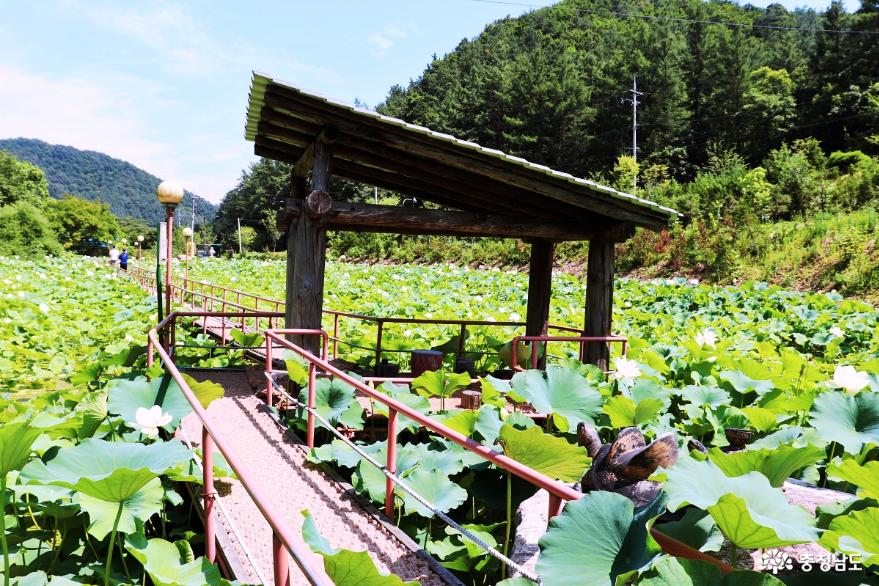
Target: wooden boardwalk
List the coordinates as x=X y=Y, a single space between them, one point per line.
x=277 y=463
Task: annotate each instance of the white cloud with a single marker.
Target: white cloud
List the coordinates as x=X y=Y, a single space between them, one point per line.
x=80 y=113
x=388 y=37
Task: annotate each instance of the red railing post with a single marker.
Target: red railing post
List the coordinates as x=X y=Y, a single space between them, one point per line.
x=268 y=370
x=280 y=561
x=208 y=493
x=150 y=357
x=311 y=403
x=555 y=505
x=335 y=335
x=391 y=463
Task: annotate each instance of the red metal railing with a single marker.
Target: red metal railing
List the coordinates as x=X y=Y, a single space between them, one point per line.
x=285 y=542
x=210 y=297
x=558 y=492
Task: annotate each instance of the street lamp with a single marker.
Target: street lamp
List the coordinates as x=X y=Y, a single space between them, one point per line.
x=187 y=235
x=139 y=246
x=170 y=193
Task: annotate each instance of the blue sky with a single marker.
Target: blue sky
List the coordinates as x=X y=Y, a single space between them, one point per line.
x=164 y=84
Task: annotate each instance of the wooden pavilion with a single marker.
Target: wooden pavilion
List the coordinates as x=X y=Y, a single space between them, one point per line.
x=492 y=195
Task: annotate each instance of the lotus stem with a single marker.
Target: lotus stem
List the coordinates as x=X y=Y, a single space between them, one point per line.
x=509 y=521
x=733 y=554
x=3 y=542
x=110 y=545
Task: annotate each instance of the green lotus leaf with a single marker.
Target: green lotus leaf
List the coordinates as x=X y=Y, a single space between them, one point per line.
x=827 y=512
x=435 y=487
x=109 y=471
x=408 y=398
x=850 y=421
x=16 y=439
x=489 y=423
x=697 y=529
x=461 y=420
x=205 y=391
x=760 y=418
x=345 y=567
x=776 y=464
x=367 y=478
x=127 y=396
x=561 y=392
x=865 y=477
x=705 y=395
x=749 y=511
x=333 y=400
x=670 y=571
x=553 y=456
x=163 y=563
x=439 y=383
x=624 y=412
x=744 y=384
x=246 y=340
x=140 y=506
x=856 y=533
x=494 y=391
x=596 y=539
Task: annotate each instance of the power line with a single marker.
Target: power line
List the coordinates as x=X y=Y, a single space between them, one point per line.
x=689 y=20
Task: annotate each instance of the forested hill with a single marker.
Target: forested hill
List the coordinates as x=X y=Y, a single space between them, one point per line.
x=548 y=85
x=129 y=191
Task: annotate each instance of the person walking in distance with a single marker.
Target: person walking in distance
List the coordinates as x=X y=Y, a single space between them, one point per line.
x=123 y=260
x=114 y=256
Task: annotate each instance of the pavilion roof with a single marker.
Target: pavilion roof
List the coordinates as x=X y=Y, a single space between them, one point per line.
x=284 y=121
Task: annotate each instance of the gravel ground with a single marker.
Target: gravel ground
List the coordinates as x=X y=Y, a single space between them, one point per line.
x=278 y=467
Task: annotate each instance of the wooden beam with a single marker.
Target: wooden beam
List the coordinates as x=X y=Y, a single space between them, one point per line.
x=362 y=217
x=305 y=302
x=599 y=299
x=539 y=290
x=306 y=160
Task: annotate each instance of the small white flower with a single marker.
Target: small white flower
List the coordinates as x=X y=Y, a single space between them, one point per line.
x=850 y=379
x=44 y=308
x=694 y=281
x=515 y=317
x=706 y=337
x=837 y=332
x=626 y=370
x=150 y=420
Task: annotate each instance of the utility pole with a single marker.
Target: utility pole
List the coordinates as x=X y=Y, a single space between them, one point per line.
x=239 y=235
x=634 y=101
x=192 y=226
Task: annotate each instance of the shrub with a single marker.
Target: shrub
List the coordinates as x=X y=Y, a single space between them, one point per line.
x=25 y=231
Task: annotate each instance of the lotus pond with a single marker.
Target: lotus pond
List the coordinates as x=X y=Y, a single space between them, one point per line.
x=798 y=374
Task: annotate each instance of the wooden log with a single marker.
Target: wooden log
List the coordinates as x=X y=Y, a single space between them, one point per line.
x=424 y=360
x=599 y=299
x=306 y=160
x=539 y=287
x=309 y=253
x=399 y=220
x=289 y=296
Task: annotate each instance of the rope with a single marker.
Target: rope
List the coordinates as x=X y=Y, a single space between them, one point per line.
x=406 y=488
x=232 y=526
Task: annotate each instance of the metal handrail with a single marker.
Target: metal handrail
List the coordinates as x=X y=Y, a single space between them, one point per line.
x=558 y=492
x=284 y=540
x=582 y=340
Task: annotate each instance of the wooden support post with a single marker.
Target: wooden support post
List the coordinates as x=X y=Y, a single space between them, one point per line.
x=298 y=195
x=599 y=299
x=539 y=290
x=305 y=297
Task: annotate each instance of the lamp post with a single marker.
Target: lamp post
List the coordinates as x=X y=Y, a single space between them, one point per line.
x=170 y=193
x=187 y=235
x=139 y=246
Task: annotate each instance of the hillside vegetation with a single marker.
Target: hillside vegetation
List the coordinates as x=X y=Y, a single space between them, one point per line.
x=756 y=125
x=128 y=190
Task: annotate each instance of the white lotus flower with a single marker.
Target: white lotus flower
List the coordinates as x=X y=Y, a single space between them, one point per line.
x=837 y=332
x=515 y=317
x=44 y=308
x=850 y=379
x=150 y=420
x=626 y=370
x=706 y=337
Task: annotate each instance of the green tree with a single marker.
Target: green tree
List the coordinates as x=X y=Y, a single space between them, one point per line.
x=24 y=231
x=21 y=182
x=77 y=220
x=768 y=109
